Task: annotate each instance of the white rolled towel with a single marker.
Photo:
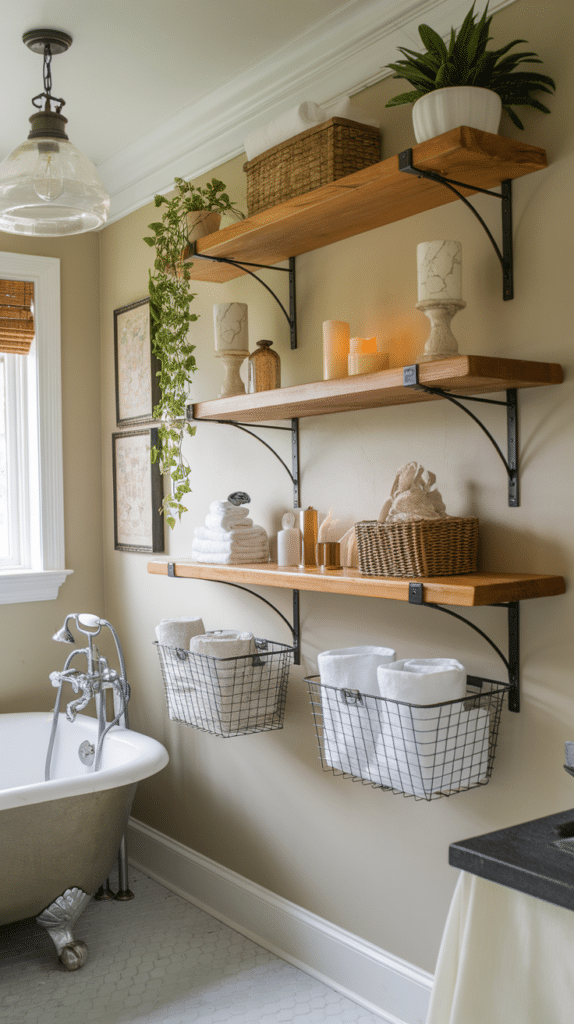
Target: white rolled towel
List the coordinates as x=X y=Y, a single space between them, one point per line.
x=224 y=643
x=284 y=126
x=178 y=632
x=351 y=725
x=424 y=756
x=354 y=668
x=423 y=680
x=352 y=111
x=423 y=749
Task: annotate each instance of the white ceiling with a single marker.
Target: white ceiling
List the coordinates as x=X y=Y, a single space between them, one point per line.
x=155 y=88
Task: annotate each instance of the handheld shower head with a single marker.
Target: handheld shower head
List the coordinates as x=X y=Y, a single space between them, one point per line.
x=63 y=635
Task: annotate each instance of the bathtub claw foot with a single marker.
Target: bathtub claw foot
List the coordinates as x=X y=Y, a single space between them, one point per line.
x=58 y=919
x=104 y=892
x=74 y=955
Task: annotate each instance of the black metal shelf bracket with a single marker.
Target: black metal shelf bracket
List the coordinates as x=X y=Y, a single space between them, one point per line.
x=510 y=462
x=505 y=256
x=294 y=628
x=294 y=472
x=512 y=662
x=294 y=475
x=291 y=315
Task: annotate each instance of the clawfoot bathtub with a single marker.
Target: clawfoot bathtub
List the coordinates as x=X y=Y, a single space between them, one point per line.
x=59 y=839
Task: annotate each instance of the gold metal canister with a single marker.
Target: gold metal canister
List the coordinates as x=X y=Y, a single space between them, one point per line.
x=309 y=527
x=329 y=554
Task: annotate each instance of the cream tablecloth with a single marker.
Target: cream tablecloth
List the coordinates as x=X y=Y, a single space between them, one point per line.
x=505 y=958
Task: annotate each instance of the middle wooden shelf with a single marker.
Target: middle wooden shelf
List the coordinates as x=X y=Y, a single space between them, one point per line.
x=466 y=591
x=466 y=374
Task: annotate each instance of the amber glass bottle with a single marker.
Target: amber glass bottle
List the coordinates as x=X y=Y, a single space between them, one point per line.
x=264 y=369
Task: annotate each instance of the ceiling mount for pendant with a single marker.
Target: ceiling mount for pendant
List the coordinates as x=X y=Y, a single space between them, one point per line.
x=38 y=38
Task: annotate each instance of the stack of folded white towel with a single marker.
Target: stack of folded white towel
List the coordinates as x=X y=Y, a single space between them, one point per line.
x=218 y=681
x=420 y=739
x=229 y=536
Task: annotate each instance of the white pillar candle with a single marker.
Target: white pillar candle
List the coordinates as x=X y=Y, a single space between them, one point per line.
x=439 y=270
x=230 y=327
x=362 y=346
x=336 y=336
x=368 y=362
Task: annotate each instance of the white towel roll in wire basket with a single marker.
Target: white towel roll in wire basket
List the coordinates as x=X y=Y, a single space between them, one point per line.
x=227 y=696
x=425 y=751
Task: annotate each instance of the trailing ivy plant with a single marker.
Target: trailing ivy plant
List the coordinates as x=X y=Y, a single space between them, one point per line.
x=466 y=61
x=170 y=320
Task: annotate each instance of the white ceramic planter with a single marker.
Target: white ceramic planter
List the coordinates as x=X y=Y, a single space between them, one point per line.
x=439 y=111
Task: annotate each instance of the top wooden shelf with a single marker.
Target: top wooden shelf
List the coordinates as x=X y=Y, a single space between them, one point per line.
x=465 y=375
x=377 y=195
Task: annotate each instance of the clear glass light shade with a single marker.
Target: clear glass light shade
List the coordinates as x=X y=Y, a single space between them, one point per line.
x=47 y=187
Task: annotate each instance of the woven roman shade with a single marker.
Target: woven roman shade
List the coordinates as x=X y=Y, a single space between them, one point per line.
x=16 y=316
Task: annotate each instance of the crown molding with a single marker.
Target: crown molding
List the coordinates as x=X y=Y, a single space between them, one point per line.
x=340 y=55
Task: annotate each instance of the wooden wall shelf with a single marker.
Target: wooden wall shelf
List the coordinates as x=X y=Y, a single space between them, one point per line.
x=465 y=591
x=377 y=195
x=469 y=375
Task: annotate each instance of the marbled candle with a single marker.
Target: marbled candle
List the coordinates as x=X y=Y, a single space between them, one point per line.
x=439 y=270
x=230 y=327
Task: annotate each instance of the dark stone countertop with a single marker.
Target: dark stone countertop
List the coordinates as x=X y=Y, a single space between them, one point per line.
x=525 y=857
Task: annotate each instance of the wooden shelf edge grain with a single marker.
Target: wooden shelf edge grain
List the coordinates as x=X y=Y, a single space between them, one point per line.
x=377 y=195
x=462 y=374
x=466 y=591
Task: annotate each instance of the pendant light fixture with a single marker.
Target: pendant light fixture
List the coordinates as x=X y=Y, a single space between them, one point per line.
x=47 y=187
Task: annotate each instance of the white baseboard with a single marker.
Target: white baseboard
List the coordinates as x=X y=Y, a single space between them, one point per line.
x=384 y=984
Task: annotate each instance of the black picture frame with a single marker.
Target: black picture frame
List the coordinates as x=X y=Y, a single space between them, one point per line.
x=136 y=367
x=137 y=484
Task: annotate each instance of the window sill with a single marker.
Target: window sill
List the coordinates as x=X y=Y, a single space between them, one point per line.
x=19 y=585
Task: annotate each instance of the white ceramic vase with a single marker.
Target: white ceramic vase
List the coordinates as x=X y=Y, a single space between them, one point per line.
x=442 y=109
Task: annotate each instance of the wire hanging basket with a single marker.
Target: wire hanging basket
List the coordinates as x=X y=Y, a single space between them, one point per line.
x=227 y=696
x=420 y=751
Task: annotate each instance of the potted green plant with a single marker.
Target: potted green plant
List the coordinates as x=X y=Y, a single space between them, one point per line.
x=170 y=320
x=464 y=83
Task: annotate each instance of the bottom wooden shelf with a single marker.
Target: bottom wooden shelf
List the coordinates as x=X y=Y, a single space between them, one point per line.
x=466 y=591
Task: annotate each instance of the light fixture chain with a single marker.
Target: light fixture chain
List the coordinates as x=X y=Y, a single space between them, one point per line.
x=48 y=70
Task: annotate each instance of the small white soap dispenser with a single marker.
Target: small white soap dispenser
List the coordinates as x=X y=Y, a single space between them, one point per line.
x=289 y=541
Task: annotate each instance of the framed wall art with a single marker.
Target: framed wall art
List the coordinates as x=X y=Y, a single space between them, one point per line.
x=138 y=524
x=137 y=388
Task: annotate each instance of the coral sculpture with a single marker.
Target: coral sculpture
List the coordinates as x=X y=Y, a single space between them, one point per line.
x=412 y=497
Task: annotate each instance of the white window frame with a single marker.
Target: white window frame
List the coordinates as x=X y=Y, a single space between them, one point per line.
x=41 y=580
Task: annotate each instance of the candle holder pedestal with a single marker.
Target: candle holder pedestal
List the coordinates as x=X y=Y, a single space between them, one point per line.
x=441 y=342
x=232 y=383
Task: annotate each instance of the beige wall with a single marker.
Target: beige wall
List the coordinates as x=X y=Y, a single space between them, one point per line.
x=371 y=862
x=28 y=653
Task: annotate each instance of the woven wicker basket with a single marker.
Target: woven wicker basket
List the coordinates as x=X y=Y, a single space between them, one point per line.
x=430 y=547
x=321 y=154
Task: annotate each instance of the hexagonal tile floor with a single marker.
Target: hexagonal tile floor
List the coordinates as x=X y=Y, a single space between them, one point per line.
x=159 y=960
